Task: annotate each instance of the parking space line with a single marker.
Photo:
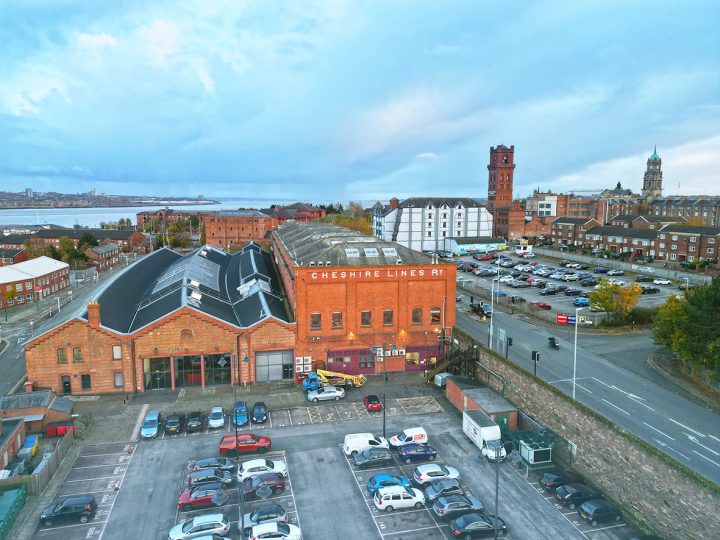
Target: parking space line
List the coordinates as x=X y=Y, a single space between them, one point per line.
x=411 y=531
x=292 y=491
x=401 y=406
x=95 y=455
x=85 y=493
x=611 y=527
x=119 y=485
x=289 y=416
x=352 y=471
x=74 y=525
x=89 y=479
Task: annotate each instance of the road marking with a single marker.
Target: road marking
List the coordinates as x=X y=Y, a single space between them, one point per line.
x=660 y=432
x=610 y=527
x=693 y=439
x=569 y=380
x=665 y=445
x=581 y=386
x=618 y=408
x=89 y=479
x=601 y=382
x=641 y=403
x=136 y=430
x=713 y=437
x=409 y=530
x=688 y=428
x=710 y=460
x=362 y=494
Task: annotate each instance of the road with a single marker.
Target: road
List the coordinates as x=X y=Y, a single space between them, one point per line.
x=669 y=421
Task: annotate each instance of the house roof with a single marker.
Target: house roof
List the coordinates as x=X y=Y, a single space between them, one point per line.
x=690 y=229
x=661 y=219
x=572 y=220
x=283 y=212
x=105 y=248
x=75 y=234
x=303 y=207
x=624 y=232
x=30 y=269
x=324 y=244
x=628 y=218
x=26 y=400
x=62 y=404
x=10 y=253
x=238 y=213
x=14 y=239
x=436 y=202
x=241 y=289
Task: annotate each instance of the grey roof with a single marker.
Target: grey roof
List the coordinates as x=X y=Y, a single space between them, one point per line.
x=62 y=404
x=572 y=220
x=241 y=289
x=624 y=217
x=624 y=232
x=661 y=219
x=238 y=213
x=75 y=234
x=477 y=240
x=317 y=244
x=10 y=253
x=422 y=202
x=105 y=248
x=303 y=207
x=690 y=229
x=25 y=400
x=489 y=401
x=15 y=239
x=283 y=212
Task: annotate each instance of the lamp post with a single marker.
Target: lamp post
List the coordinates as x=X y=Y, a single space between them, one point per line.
x=241 y=485
x=687 y=283
x=58 y=301
x=492 y=312
x=498 y=449
x=577 y=310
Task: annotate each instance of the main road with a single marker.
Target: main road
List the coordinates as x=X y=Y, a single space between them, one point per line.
x=669 y=421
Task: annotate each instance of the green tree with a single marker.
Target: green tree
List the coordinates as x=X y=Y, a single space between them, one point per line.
x=66 y=247
x=86 y=240
x=52 y=252
x=604 y=296
x=670 y=318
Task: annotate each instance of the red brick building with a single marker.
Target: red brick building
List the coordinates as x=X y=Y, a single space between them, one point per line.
x=36 y=409
x=363 y=305
x=32 y=280
x=638 y=242
x=569 y=231
x=12 y=438
x=680 y=243
x=164 y=215
x=500 y=189
x=105 y=256
x=12 y=256
x=128 y=240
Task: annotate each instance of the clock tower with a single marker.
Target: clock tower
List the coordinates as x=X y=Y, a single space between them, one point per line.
x=500 y=177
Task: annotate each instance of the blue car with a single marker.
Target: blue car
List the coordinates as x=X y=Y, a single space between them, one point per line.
x=580 y=301
x=417 y=452
x=384 y=480
x=240 y=414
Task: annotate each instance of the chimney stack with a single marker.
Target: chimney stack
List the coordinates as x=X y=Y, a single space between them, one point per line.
x=94 y=314
x=394 y=202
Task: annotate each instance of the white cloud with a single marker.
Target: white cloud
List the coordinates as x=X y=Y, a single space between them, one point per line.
x=205 y=77
x=96 y=41
x=159 y=41
x=427 y=155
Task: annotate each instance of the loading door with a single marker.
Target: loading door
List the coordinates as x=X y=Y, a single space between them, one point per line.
x=274 y=365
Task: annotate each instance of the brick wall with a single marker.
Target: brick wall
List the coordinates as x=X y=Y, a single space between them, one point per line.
x=653 y=487
x=15 y=438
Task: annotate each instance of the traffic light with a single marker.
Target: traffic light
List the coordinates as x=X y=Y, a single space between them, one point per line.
x=536 y=356
x=509 y=342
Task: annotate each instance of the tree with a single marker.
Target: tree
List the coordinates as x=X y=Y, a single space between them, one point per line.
x=86 y=240
x=604 y=296
x=65 y=248
x=670 y=318
x=355 y=210
x=52 y=252
x=626 y=299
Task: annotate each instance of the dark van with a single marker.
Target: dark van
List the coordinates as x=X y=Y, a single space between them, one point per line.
x=80 y=509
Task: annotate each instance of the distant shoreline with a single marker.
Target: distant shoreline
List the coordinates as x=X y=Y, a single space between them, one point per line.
x=133 y=205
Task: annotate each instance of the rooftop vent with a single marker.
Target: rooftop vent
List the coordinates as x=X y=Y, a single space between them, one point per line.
x=319 y=263
x=194 y=283
x=327 y=263
x=203 y=253
x=399 y=261
x=195 y=295
x=311 y=263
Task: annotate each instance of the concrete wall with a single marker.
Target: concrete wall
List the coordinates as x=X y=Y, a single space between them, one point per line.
x=655 y=488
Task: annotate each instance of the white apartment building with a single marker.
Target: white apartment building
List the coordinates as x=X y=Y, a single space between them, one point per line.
x=424 y=223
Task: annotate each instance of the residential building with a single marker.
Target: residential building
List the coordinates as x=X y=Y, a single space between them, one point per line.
x=363 y=305
x=12 y=256
x=570 y=231
x=637 y=242
x=104 y=256
x=128 y=240
x=163 y=215
x=13 y=241
x=12 y=439
x=36 y=409
x=32 y=280
x=425 y=223
x=701 y=210
x=622 y=220
x=655 y=222
x=687 y=243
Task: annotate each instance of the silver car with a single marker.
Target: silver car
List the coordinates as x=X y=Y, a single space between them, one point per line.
x=200 y=526
x=217 y=418
x=325 y=393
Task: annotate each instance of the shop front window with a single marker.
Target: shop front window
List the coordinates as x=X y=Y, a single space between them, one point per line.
x=217 y=369
x=157 y=373
x=187 y=371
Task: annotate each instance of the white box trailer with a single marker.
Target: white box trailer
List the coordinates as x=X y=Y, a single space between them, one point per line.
x=484 y=432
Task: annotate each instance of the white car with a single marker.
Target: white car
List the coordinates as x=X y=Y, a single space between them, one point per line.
x=427 y=473
x=393 y=497
x=618 y=282
x=506 y=279
x=616 y=273
x=217 y=418
x=661 y=281
x=254 y=467
x=278 y=529
x=198 y=526
x=325 y=393
x=570 y=277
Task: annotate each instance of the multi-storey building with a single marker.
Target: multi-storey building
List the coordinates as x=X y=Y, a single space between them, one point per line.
x=705 y=210
x=570 y=231
x=681 y=243
x=637 y=242
x=426 y=223
x=104 y=256
x=12 y=256
x=127 y=239
x=31 y=281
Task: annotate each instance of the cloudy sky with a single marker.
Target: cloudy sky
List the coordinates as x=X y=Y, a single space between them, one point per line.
x=356 y=99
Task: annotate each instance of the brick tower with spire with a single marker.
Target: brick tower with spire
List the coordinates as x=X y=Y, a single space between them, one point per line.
x=652 y=182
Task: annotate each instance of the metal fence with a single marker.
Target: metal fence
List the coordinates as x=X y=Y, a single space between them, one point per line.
x=40 y=478
x=11 y=503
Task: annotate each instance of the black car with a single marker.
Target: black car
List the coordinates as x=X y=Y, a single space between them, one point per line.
x=222 y=463
x=268 y=513
x=601 y=270
x=207 y=476
x=195 y=421
x=573 y=292
x=590 y=282
x=650 y=290
x=597 y=511
x=573 y=495
x=259 y=412
x=174 y=424
x=476 y=525
x=562 y=288
x=552 y=480
x=80 y=509
x=440 y=488
x=547 y=291
x=452 y=506
x=373 y=457
x=643 y=279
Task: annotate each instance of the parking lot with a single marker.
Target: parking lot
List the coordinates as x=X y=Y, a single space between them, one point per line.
x=99 y=471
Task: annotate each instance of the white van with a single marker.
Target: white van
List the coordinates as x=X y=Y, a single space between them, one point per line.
x=416 y=435
x=359 y=442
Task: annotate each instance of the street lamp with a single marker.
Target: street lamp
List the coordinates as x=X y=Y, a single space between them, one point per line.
x=58 y=301
x=492 y=312
x=577 y=310
x=687 y=283
x=497 y=448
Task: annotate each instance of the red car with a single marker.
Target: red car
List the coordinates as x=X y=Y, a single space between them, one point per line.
x=205 y=495
x=540 y=305
x=372 y=403
x=247 y=443
x=484 y=257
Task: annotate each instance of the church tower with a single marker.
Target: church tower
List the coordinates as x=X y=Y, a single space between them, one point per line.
x=652 y=183
x=500 y=177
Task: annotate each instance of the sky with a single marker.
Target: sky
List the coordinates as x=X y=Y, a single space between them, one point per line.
x=356 y=100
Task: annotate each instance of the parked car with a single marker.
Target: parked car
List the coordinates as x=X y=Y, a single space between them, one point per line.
x=581 y=301
x=549 y=291
x=326 y=393
x=650 y=290
x=385 y=480
x=417 y=452
x=589 y=282
x=151 y=425
x=451 y=506
x=174 y=424
x=424 y=474
x=397 y=497
x=214 y=494
x=570 y=277
x=274 y=481
x=372 y=403
x=78 y=509
x=573 y=495
x=618 y=282
x=374 y=457
x=572 y=292
x=195 y=422
x=209 y=476
x=541 y=305
x=216 y=419
x=616 y=272
x=601 y=270
x=198 y=526
x=662 y=281
x=268 y=513
x=240 y=414
x=443 y=487
x=474 y=525
x=552 y=480
x=246 y=443
x=222 y=463
x=259 y=412
x=643 y=279
x=597 y=511
x=278 y=529
x=254 y=467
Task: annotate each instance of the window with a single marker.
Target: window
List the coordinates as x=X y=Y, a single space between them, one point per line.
x=444 y=215
x=77 y=355
x=118 y=379
x=85 y=381
x=28 y=297
x=366 y=319
x=673 y=246
x=429 y=225
x=710 y=250
x=673 y=256
x=444 y=234
x=662 y=244
x=315 y=321
x=662 y=237
x=674 y=238
x=691 y=249
x=444 y=225
x=711 y=240
x=388 y=317
x=417 y=316
x=117 y=352
x=62 y=356
x=429 y=234
x=337 y=321
x=435 y=315
x=693 y=239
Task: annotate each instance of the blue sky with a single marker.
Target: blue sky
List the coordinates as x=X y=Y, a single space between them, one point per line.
x=334 y=100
